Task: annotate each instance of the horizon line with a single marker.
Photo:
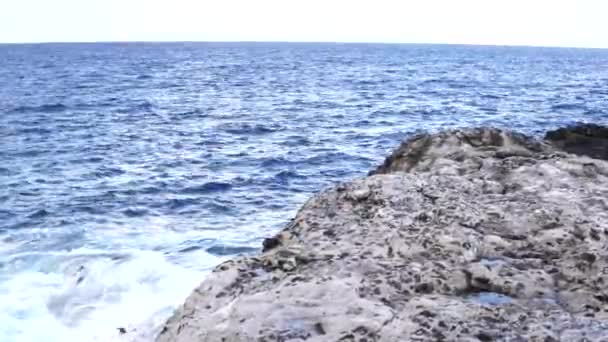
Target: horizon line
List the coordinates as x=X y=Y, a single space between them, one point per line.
x=294 y=42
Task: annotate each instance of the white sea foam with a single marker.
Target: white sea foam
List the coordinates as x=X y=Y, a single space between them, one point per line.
x=87 y=295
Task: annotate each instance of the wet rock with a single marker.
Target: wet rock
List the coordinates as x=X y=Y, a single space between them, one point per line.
x=581 y=139
x=270 y=243
x=466 y=235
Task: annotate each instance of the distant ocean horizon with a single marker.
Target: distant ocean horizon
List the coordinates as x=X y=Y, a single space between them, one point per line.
x=129 y=170
x=267 y=42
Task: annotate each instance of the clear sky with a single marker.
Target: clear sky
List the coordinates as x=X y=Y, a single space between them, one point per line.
x=580 y=23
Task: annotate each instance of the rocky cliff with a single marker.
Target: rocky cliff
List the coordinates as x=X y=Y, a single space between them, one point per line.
x=466 y=235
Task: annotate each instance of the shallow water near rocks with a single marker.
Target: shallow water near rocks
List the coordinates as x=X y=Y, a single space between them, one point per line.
x=490 y=298
x=127 y=171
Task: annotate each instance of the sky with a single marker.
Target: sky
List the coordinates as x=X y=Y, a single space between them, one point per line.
x=571 y=23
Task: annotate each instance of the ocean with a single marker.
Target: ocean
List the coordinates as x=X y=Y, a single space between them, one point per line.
x=129 y=170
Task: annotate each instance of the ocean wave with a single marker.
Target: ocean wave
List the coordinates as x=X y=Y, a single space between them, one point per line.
x=208 y=188
x=432 y=81
x=194 y=113
x=285 y=175
x=108 y=171
x=6 y=214
x=598 y=92
x=135 y=212
x=568 y=106
x=30 y=153
x=38 y=214
x=278 y=180
x=273 y=162
x=491 y=96
x=34 y=130
x=87 y=295
x=218 y=206
x=324 y=158
x=135 y=109
x=179 y=203
x=225 y=250
x=46 y=108
x=256 y=129
x=85 y=160
x=88 y=209
x=296 y=140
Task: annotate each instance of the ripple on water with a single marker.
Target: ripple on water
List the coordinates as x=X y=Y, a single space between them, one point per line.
x=136 y=212
x=206 y=188
x=39 y=214
x=45 y=108
x=251 y=129
x=275 y=162
x=286 y=175
x=225 y=250
x=568 y=106
x=5 y=171
x=179 y=203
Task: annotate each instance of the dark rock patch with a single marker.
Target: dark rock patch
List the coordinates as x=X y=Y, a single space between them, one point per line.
x=582 y=139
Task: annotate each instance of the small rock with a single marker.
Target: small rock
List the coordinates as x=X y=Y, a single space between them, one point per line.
x=360 y=194
x=319 y=329
x=270 y=243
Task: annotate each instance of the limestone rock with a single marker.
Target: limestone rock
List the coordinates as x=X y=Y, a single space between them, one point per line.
x=467 y=235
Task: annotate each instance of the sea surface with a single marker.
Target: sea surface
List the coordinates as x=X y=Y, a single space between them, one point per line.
x=127 y=171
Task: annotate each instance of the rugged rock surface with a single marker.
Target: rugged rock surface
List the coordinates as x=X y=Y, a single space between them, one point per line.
x=472 y=235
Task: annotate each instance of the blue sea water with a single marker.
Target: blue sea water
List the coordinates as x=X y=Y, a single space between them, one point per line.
x=127 y=171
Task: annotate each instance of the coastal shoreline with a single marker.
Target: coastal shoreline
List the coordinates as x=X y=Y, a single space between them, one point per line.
x=475 y=234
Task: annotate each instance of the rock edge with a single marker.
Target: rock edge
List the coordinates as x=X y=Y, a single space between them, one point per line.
x=465 y=235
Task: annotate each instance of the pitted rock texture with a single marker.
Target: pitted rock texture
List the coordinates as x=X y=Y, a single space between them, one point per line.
x=469 y=235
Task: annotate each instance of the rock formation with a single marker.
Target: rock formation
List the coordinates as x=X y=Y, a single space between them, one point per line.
x=583 y=139
x=465 y=235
